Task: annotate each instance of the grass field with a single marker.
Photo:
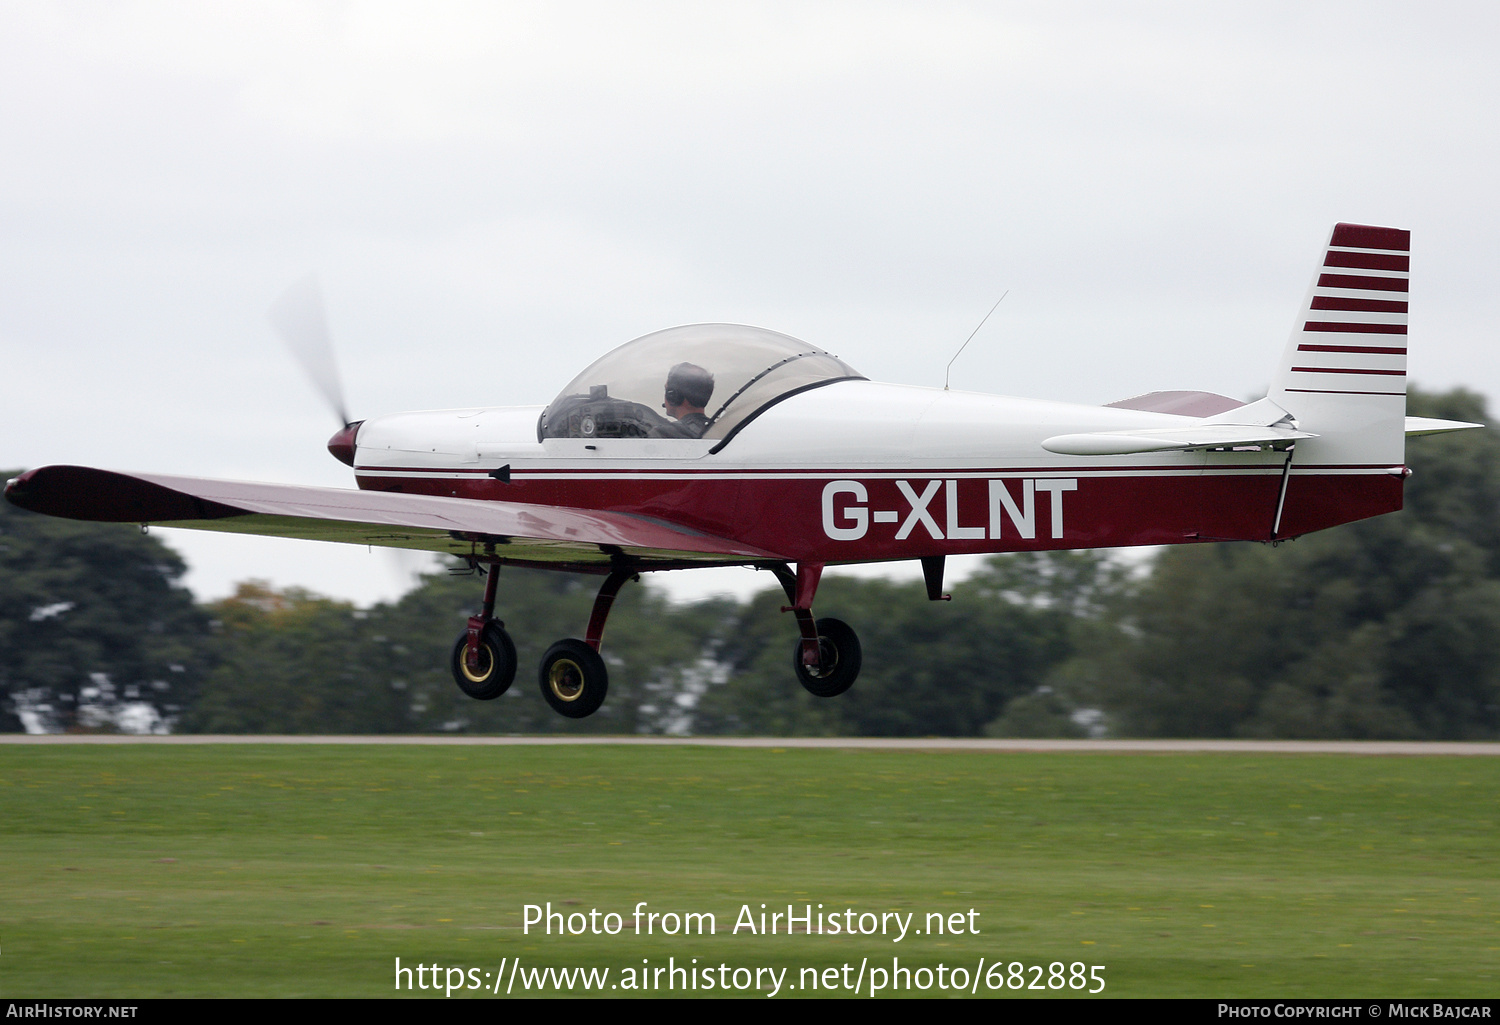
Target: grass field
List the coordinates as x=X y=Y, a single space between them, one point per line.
x=140 y=871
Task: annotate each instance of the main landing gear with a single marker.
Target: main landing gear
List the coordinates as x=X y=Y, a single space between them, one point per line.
x=574 y=678
x=827 y=657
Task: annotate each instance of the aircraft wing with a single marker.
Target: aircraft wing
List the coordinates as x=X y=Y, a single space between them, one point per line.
x=513 y=531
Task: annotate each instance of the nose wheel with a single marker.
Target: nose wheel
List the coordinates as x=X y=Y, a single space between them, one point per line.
x=493 y=666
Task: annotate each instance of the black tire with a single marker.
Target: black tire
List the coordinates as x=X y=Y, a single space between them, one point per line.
x=497 y=663
x=838 y=649
x=574 y=679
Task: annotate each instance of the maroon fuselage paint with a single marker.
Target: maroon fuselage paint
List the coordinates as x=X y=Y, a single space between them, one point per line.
x=788 y=512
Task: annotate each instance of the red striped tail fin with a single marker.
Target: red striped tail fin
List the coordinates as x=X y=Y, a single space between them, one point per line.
x=1343 y=375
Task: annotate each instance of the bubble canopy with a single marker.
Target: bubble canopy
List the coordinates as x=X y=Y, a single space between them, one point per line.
x=743 y=369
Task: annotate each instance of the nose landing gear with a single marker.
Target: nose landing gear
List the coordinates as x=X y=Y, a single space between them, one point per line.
x=484 y=657
x=495 y=664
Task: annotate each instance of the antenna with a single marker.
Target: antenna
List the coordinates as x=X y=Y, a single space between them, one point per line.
x=948 y=369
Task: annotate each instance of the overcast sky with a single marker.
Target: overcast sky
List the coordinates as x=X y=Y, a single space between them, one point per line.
x=495 y=194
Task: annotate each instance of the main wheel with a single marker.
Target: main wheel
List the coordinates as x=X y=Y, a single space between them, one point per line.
x=839 y=660
x=574 y=679
x=497 y=663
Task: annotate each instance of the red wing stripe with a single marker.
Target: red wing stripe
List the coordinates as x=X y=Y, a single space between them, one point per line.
x=1346 y=370
x=1368 y=261
x=1360 y=329
x=1364 y=236
x=1384 y=349
x=1343 y=302
x=1361 y=281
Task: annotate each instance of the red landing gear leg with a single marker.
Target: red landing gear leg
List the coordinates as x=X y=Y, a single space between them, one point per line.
x=602 y=603
x=484 y=657
x=573 y=676
x=479 y=622
x=827 y=657
x=800 y=588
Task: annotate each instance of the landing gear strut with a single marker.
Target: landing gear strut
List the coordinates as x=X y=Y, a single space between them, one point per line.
x=827 y=657
x=484 y=657
x=574 y=679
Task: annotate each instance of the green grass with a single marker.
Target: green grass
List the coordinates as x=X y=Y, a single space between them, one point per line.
x=141 y=871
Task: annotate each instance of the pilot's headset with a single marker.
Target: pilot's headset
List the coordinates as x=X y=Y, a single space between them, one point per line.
x=690 y=383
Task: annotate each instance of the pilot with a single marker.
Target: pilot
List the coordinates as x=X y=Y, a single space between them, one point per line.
x=689 y=387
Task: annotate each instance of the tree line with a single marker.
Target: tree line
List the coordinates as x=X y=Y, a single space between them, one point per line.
x=1387 y=628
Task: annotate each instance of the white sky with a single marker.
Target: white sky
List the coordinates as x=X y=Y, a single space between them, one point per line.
x=495 y=194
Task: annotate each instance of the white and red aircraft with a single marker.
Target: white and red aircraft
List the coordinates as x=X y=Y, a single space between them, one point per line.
x=779 y=455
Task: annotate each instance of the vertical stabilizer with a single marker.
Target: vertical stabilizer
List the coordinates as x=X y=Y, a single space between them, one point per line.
x=1343 y=375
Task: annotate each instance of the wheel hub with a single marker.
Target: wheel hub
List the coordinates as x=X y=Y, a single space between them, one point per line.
x=828 y=660
x=566 y=680
x=481 y=672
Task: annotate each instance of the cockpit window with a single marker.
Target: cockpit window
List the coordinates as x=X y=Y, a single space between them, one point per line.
x=700 y=381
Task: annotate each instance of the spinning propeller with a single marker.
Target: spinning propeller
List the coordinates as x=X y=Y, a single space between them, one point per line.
x=299 y=317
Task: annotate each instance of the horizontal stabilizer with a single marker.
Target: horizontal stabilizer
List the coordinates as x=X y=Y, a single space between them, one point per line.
x=1419 y=425
x=1172 y=439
